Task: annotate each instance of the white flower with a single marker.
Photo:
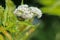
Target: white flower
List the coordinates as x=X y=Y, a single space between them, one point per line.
x=16 y=12
x=20 y=10
x=27 y=12
x=23 y=7
x=27 y=15
x=37 y=12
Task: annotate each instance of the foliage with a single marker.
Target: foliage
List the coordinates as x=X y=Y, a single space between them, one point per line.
x=10 y=27
x=51 y=7
x=49 y=28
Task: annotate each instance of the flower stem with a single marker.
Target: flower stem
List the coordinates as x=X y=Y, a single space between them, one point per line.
x=22 y=2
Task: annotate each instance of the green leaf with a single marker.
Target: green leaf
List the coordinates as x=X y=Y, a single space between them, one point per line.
x=1 y=14
x=51 y=7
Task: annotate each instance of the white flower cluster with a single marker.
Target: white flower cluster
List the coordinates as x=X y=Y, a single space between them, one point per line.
x=27 y=12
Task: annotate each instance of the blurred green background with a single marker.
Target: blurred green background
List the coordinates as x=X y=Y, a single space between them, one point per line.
x=49 y=28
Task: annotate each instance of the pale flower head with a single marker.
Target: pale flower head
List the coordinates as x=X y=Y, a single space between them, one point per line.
x=37 y=12
x=23 y=7
x=27 y=12
x=27 y=15
x=20 y=10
